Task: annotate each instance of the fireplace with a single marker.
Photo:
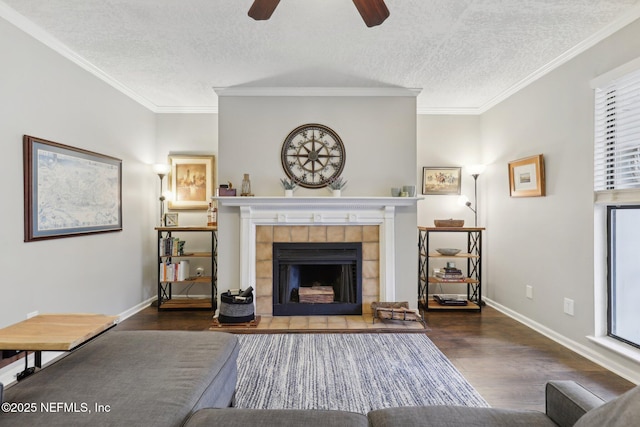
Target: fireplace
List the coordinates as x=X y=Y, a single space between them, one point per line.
x=270 y=219
x=317 y=279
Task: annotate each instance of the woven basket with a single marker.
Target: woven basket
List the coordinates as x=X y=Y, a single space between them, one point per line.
x=448 y=222
x=232 y=311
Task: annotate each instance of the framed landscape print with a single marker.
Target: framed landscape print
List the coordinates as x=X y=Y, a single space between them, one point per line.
x=526 y=177
x=441 y=180
x=191 y=181
x=69 y=191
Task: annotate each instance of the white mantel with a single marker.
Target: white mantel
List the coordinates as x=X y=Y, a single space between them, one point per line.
x=255 y=211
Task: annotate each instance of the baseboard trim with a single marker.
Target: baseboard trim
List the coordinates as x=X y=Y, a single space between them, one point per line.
x=136 y=309
x=582 y=350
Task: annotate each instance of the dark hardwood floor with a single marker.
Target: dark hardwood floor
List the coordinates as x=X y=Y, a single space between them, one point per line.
x=507 y=362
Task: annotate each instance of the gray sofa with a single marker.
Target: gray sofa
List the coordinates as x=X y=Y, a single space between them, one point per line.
x=176 y=378
x=567 y=404
x=129 y=378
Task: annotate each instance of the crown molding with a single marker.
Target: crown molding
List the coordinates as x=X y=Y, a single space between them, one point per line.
x=581 y=47
x=316 y=91
x=213 y=109
x=48 y=40
x=56 y=45
x=448 y=111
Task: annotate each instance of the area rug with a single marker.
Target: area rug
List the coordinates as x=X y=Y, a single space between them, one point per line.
x=351 y=372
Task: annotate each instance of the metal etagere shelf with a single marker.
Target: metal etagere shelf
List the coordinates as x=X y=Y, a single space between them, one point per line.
x=473 y=276
x=166 y=299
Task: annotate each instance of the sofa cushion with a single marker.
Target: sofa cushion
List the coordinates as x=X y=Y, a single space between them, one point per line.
x=456 y=416
x=232 y=417
x=141 y=378
x=621 y=411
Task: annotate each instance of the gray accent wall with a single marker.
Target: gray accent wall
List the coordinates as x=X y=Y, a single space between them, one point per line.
x=379 y=134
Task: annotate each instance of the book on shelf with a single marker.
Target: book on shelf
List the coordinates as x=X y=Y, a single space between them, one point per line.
x=174 y=271
x=447 y=299
x=450 y=275
x=171 y=246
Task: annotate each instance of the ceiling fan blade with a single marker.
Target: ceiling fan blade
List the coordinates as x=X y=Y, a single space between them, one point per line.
x=373 y=12
x=262 y=9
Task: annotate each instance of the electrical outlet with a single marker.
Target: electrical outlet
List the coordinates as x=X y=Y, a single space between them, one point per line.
x=529 y=291
x=568 y=306
x=32 y=314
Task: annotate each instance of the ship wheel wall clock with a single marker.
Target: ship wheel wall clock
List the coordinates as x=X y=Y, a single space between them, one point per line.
x=313 y=155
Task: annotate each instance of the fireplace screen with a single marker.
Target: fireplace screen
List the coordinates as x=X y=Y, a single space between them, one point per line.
x=317 y=278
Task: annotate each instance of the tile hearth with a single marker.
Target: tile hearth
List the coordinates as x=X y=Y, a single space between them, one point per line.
x=332 y=322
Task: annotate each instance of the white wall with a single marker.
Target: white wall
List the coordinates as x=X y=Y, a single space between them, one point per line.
x=548 y=242
x=379 y=134
x=47 y=96
x=450 y=141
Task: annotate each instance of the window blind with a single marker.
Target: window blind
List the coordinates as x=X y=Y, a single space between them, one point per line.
x=617 y=137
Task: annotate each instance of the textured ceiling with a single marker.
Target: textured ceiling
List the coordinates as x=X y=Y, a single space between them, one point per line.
x=465 y=54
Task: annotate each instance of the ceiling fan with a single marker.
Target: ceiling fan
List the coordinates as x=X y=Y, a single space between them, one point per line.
x=373 y=12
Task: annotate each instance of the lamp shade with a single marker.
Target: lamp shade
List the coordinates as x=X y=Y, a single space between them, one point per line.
x=475 y=169
x=161 y=168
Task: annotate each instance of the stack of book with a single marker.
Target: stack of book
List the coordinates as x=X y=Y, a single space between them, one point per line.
x=174 y=272
x=451 y=274
x=171 y=246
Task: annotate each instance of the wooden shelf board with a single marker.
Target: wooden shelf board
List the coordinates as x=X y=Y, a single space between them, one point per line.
x=202 y=228
x=201 y=279
x=465 y=229
x=433 y=305
x=189 y=255
x=459 y=255
x=436 y=280
x=186 y=304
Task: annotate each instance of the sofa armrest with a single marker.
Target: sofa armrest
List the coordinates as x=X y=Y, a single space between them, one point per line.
x=567 y=401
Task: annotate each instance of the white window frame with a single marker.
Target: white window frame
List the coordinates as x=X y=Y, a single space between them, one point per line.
x=602 y=199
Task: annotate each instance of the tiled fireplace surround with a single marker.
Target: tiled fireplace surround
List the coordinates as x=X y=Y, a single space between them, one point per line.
x=266 y=235
x=370 y=220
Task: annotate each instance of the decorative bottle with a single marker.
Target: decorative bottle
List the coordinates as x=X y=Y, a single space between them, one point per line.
x=212 y=215
x=246 y=186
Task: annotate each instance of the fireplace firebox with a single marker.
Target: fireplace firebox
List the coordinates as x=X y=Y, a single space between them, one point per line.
x=317 y=279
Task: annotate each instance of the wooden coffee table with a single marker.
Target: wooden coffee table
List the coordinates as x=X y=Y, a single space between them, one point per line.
x=53 y=332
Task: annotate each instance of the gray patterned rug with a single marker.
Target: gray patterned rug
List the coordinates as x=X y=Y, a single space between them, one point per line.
x=351 y=372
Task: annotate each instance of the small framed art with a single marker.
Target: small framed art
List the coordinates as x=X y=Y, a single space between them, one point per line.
x=171 y=219
x=526 y=177
x=441 y=180
x=192 y=180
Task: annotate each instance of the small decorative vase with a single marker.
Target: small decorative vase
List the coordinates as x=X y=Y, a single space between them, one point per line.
x=410 y=190
x=337 y=193
x=246 y=185
x=288 y=193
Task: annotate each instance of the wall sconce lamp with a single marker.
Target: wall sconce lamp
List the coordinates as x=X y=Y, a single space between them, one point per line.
x=161 y=170
x=474 y=171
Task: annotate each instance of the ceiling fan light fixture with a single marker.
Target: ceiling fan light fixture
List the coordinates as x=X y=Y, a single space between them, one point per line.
x=373 y=12
x=262 y=10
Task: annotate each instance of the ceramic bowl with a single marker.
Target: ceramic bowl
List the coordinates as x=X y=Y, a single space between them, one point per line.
x=447 y=251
